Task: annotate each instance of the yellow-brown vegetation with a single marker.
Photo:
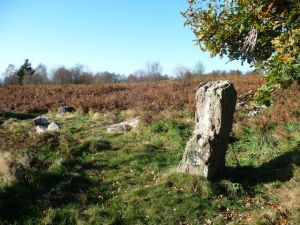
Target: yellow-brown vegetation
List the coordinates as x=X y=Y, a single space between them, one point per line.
x=156 y=96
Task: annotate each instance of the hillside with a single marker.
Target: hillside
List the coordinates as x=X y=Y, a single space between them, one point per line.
x=82 y=174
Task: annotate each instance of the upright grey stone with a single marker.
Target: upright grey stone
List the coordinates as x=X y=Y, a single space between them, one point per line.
x=205 y=152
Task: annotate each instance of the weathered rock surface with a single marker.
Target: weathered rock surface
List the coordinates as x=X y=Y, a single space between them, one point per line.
x=205 y=152
x=40 y=121
x=53 y=127
x=124 y=126
x=62 y=110
x=134 y=123
x=121 y=127
x=40 y=129
x=253 y=113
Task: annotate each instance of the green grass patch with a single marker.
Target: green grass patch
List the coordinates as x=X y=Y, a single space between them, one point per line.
x=84 y=175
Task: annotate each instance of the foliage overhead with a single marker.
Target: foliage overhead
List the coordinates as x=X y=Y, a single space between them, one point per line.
x=264 y=33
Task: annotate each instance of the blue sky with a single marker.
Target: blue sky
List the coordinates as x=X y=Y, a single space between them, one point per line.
x=117 y=36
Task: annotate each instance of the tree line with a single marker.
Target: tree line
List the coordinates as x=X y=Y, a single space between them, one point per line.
x=78 y=74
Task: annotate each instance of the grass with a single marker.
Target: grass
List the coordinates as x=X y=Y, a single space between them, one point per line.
x=84 y=175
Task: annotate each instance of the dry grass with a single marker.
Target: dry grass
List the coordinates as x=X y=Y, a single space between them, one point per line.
x=285 y=109
x=170 y=95
x=5 y=167
x=11 y=167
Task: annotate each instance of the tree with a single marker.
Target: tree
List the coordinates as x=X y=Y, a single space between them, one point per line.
x=10 y=75
x=107 y=77
x=153 y=71
x=132 y=78
x=140 y=74
x=62 y=76
x=10 y=70
x=235 y=72
x=85 y=78
x=41 y=74
x=24 y=70
x=183 y=73
x=38 y=77
x=199 y=69
x=153 y=68
x=264 y=33
x=77 y=71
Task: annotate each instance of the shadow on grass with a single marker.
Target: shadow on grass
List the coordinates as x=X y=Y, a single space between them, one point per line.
x=95 y=146
x=51 y=189
x=156 y=156
x=20 y=115
x=278 y=169
x=17 y=115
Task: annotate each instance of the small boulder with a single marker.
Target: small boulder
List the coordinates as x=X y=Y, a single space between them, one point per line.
x=121 y=127
x=124 y=126
x=62 y=110
x=241 y=104
x=134 y=123
x=53 y=127
x=39 y=121
x=40 y=129
x=253 y=113
x=259 y=107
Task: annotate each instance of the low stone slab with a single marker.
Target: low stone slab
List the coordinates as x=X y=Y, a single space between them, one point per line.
x=121 y=127
x=124 y=126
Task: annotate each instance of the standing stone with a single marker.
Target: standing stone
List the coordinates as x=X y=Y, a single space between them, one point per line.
x=205 y=152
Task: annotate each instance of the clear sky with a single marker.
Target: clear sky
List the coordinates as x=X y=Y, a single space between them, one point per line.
x=115 y=35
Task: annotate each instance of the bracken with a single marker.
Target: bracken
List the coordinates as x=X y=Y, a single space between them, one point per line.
x=162 y=95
